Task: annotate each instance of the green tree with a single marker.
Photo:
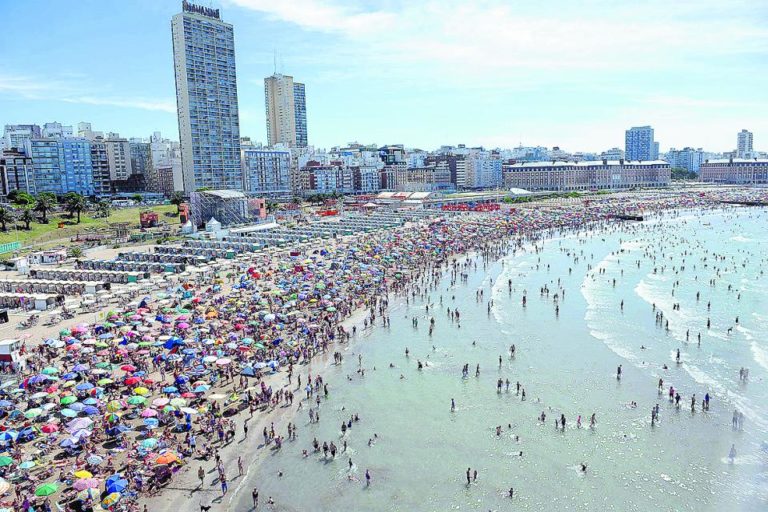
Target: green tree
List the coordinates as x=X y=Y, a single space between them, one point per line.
x=21 y=198
x=76 y=252
x=44 y=203
x=177 y=199
x=75 y=204
x=137 y=198
x=103 y=207
x=6 y=216
x=27 y=217
x=272 y=206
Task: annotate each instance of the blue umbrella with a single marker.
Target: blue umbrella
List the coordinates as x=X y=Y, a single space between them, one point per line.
x=90 y=401
x=5 y=403
x=69 y=413
x=91 y=410
x=170 y=389
x=106 y=336
x=116 y=483
x=69 y=376
x=81 y=368
x=151 y=422
x=85 y=386
x=9 y=435
x=77 y=406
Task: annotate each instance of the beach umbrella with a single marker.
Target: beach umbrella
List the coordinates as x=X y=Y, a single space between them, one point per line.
x=131 y=381
x=104 y=382
x=85 y=386
x=116 y=483
x=33 y=413
x=114 y=405
x=178 y=402
x=50 y=370
x=170 y=389
x=86 y=483
x=79 y=424
x=83 y=474
x=149 y=443
x=151 y=422
x=8 y=435
x=110 y=499
x=69 y=399
x=188 y=410
x=91 y=410
x=128 y=368
x=68 y=413
x=77 y=406
x=140 y=391
x=4 y=486
x=46 y=489
x=167 y=458
x=202 y=388
x=160 y=402
x=5 y=461
x=27 y=464
x=94 y=460
x=111 y=417
x=148 y=413
x=136 y=400
x=49 y=428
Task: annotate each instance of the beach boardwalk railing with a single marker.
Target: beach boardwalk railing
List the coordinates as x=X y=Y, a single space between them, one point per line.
x=9 y=247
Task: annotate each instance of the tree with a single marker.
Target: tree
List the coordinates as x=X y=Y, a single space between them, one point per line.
x=27 y=217
x=6 y=216
x=76 y=252
x=21 y=198
x=103 y=207
x=44 y=203
x=272 y=206
x=75 y=204
x=681 y=173
x=137 y=198
x=177 y=199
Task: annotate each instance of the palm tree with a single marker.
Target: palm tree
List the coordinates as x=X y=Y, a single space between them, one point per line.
x=177 y=199
x=75 y=204
x=27 y=217
x=45 y=202
x=137 y=198
x=6 y=216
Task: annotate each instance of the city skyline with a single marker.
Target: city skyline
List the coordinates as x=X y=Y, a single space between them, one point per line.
x=367 y=71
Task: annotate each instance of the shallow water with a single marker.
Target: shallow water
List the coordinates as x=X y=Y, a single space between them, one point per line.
x=567 y=364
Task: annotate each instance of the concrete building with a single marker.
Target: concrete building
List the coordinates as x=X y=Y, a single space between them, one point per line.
x=286 y=111
x=432 y=178
x=163 y=180
x=639 y=144
x=141 y=158
x=85 y=131
x=458 y=165
x=483 y=171
x=267 y=172
x=55 y=129
x=737 y=171
x=102 y=182
x=16 y=172
x=686 y=158
x=206 y=96
x=62 y=165
x=16 y=135
x=612 y=154
x=597 y=175
x=119 y=156
x=744 y=144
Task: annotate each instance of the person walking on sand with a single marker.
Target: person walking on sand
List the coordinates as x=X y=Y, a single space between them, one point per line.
x=201 y=476
x=255 y=496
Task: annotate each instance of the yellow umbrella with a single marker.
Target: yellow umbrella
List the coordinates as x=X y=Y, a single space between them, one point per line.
x=114 y=406
x=111 y=499
x=140 y=391
x=83 y=474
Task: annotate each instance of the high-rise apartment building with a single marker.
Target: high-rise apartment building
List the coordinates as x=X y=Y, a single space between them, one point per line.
x=119 y=155
x=61 y=165
x=55 y=129
x=16 y=135
x=286 y=110
x=639 y=144
x=744 y=144
x=206 y=96
x=102 y=183
x=687 y=158
x=16 y=172
x=267 y=172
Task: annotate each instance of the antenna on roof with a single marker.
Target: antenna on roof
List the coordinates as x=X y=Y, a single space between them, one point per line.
x=274 y=61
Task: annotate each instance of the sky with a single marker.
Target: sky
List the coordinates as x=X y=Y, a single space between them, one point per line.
x=423 y=73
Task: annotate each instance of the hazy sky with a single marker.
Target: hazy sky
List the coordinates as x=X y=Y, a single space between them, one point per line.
x=569 y=73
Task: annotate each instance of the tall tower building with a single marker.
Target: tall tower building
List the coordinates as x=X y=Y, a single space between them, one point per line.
x=744 y=144
x=639 y=144
x=286 y=111
x=206 y=97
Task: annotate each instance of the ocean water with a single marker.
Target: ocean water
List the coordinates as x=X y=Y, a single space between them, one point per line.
x=566 y=361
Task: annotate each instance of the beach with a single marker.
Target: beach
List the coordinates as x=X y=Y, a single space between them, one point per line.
x=453 y=291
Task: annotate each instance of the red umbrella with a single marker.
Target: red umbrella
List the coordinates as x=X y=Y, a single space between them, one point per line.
x=188 y=395
x=49 y=428
x=132 y=380
x=128 y=368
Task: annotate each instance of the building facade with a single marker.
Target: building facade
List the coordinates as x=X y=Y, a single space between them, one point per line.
x=55 y=129
x=16 y=135
x=286 y=111
x=737 y=171
x=206 y=96
x=16 y=172
x=686 y=158
x=744 y=147
x=62 y=165
x=119 y=156
x=267 y=172
x=588 y=175
x=102 y=181
x=639 y=144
